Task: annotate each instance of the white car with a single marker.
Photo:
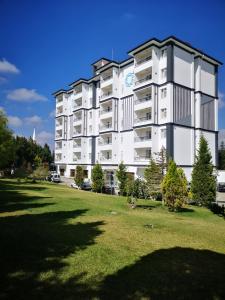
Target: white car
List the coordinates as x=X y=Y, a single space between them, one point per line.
x=55 y=178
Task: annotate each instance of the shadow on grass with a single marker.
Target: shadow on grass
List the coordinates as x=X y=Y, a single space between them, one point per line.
x=13 y=198
x=33 y=247
x=176 y=273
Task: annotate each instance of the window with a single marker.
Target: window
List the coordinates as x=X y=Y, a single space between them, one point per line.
x=163 y=93
x=164 y=53
x=108 y=155
x=148 y=116
x=90 y=114
x=72 y=173
x=163 y=133
x=163 y=73
x=90 y=128
x=163 y=113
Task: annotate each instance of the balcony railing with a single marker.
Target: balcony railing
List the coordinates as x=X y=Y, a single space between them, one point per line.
x=106 y=127
x=106 y=95
x=58 y=148
x=77 y=119
x=144 y=99
x=105 y=142
x=103 y=158
x=76 y=105
x=149 y=77
x=105 y=111
x=58 y=124
x=57 y=158
x=58 y=136
x=59 y=112
x=141 y=61
x=76 y=145
x=142 y=158
x=142 y=119
x=77 y=158
x=142 y=138
x=106 y=78
x=77 y=132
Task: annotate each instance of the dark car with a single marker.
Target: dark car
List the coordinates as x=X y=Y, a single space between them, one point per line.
x=86 y=186
x=108 y=189
x=221 y=187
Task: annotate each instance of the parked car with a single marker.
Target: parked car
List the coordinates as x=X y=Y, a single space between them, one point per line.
x=221 y=187
x=55 y=178
x=109 y=189
x=86 y=186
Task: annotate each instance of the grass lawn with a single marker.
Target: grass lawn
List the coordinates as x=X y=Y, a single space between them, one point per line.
x=60 y=243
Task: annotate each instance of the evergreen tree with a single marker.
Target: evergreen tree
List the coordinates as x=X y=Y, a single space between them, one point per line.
x=153 y=176
x=122 y=178
x=203 y=184
x=97 y=177
x=79 y=176
x=221 y=154
x=162 y=160
x=174 y=187
x=46 y=154
x=37 y=161
x=7 y=144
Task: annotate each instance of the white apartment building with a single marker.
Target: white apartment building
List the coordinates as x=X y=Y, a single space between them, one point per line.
x=164 y=95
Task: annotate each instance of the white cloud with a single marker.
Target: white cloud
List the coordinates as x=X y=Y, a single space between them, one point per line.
x=15 y=121
x=7 y=67
x=25 y=95
x=45 y=137
x=33 y=121
x=52 y=114
x=221 y=100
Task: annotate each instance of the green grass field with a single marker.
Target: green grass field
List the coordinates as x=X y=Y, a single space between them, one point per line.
x=60 y=243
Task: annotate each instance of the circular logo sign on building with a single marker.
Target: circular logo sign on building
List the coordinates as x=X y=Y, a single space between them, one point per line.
x=129 y=80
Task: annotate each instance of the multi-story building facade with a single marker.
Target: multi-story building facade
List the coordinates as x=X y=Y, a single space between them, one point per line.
x=164 y=95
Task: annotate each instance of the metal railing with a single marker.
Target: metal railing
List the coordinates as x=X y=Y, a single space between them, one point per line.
x=141 y=61
x=105 y=111
x=142 y=158
x=142 y=138
x=106 y=95
x=105 y=142
x=105 y=158
x=105 y=127
x=107 y=78
x=148 y=77
x=76 y=145
x=144 y=99
x=142 y=119
x=76 y=105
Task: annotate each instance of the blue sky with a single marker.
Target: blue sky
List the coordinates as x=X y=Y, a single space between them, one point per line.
x=45 y=45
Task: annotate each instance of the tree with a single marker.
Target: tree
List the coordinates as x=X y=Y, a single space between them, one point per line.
x=203 y=183
x=97 y=177
x=46 y=154
x=162 y=159
x=221 y=154
x=174 y=187
x=122 y=178
x=7 y=144
x=79 y=176
x=153 y=176
x=37 y=161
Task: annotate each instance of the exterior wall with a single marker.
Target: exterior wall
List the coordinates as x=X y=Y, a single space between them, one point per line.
x=164 y=92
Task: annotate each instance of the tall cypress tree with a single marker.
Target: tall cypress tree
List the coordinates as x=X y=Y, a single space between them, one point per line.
x=222 y=156
x=97 y=177
x=203 y=184
x=121 y=174
x=153 y=176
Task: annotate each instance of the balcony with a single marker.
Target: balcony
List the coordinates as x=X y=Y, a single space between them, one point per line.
x=106 y=95
x=59 y=110
x=143 y=138
x=58 y=157
x=77 y=156
x=58 y=123
x=105 y=110
x=143 y=100
x=77 y=104
x=143 y=60
x=143 y=80
x=76 y=145
x=106 y=127
x=59 y=100
x=143 y=119
x=142 y=158
x=105 y=155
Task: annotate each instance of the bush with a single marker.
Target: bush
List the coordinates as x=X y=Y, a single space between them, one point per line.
x=40 y=173
x=174 y=187
x=122 y=178
x=79 y=176
x=97 y=177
